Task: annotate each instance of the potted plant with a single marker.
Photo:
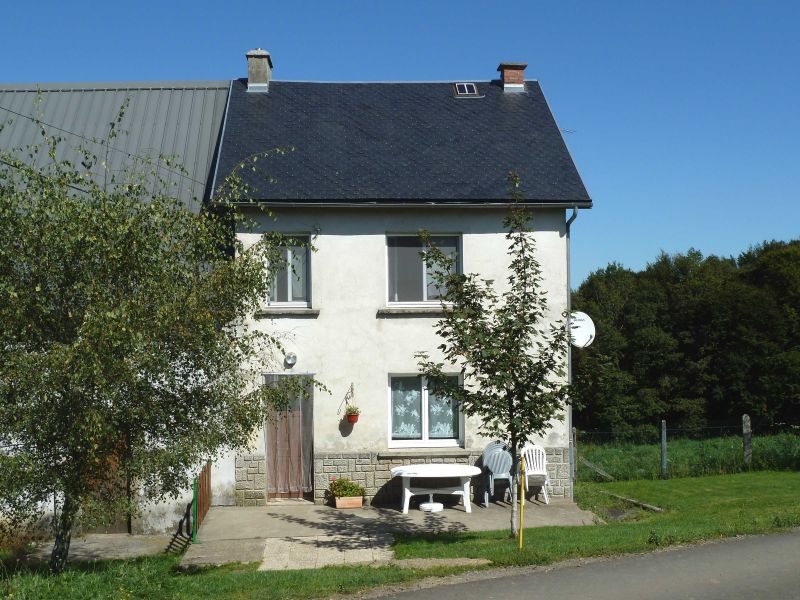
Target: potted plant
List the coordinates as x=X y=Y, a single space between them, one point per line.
x=346 y=493
x=352 y=412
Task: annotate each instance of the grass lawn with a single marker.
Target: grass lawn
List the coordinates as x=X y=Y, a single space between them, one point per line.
x=701 y=508
x=691 y=458
x=159 y=577
x=696 y=509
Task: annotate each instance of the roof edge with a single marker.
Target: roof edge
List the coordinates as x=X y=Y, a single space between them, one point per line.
x=220 y=141
x=115 y=85
x=410 y=204
x=413 y=81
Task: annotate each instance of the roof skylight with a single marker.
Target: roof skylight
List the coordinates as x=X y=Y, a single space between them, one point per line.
x=466 y=89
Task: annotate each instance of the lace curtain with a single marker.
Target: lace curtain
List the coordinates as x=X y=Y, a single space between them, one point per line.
x=410 y=401
x=442 y=417
x=406 y=408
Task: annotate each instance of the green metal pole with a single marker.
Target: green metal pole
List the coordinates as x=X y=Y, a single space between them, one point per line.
x=664 y=473
x=194 y=512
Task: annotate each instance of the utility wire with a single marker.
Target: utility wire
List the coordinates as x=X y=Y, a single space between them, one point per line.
x=69 y=185
x=95 y=141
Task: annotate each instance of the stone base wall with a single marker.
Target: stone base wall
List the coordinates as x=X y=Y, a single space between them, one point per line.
x=251 y=480
x=558 y=470
x=372 y=471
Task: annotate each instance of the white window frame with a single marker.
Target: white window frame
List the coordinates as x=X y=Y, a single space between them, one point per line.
x=425 y=442
x=425 y=302
x=295 y=303
x=466 y=85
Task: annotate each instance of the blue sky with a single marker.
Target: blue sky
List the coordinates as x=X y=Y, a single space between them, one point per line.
x=684 y=116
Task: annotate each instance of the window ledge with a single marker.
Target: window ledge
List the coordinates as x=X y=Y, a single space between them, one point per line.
x=410 y=311
x=274 y=312
x=424 y=452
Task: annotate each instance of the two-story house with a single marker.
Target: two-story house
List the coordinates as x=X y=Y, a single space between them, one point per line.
x=373 y=163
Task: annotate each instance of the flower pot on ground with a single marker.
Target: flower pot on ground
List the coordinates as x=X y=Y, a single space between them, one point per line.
x=346 y=493
x=350 y=502
x=351 y=413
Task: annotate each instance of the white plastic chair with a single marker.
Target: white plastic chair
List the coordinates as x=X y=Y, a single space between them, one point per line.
x=496 y=465
x=536 y=467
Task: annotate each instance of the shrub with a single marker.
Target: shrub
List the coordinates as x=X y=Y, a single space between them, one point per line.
x=343 y=488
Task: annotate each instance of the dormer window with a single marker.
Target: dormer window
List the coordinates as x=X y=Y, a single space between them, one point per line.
x=466 y=89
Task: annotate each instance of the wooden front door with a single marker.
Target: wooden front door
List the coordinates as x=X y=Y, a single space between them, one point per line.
x=290 y=447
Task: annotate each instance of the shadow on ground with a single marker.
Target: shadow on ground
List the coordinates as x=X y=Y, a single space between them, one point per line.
x=354 y=531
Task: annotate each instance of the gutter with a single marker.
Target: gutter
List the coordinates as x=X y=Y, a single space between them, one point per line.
x=572 y=456
x=395 y=204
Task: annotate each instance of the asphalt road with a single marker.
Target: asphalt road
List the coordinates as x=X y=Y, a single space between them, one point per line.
x=751 y=567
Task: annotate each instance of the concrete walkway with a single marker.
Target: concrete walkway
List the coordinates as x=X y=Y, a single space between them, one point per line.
x=325 y=550
x=104 y=546
x=309 y=536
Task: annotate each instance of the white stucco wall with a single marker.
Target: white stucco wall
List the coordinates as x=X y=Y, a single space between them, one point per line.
x=348 y=344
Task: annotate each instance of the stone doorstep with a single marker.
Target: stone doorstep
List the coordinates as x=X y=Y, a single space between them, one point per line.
x=429 y=563
x=317 y=551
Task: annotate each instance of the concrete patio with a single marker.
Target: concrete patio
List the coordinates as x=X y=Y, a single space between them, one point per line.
x=303 y=535
x=106 y=546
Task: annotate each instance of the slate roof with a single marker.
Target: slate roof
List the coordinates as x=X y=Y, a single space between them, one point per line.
x=177 y=119
x=395 y=143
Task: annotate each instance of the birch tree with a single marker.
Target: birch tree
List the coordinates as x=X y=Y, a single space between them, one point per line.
x=124 y=358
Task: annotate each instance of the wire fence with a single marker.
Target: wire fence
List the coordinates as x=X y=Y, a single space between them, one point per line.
x=687 y=451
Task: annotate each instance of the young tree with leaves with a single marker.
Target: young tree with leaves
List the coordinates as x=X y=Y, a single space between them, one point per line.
x=510 y=352
x=124 y=361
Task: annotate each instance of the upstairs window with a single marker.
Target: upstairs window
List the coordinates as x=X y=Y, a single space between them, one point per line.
x=290 y=285
x=409 y=278
x=466 y=89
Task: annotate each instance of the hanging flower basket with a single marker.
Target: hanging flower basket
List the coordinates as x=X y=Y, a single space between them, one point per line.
x=351 y=413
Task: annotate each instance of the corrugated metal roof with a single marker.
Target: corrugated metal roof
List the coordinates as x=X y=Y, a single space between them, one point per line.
x=176 y=119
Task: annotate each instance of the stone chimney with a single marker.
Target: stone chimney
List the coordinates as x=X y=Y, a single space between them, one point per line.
x=259 y=70
x=512 y=75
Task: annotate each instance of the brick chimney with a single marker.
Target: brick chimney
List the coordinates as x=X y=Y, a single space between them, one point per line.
x=259 y=70
x=512 y=75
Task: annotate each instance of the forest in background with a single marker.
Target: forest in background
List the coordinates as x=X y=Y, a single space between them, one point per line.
x=695 y=340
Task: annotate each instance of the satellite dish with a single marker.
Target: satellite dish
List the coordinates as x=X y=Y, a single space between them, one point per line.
x=582 y=329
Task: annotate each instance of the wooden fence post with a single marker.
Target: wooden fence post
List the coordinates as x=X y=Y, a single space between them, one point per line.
x=747 y=441
x=664 y=474
x=574 y=457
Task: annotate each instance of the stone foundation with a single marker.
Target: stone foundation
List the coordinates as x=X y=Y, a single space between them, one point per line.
x=558 y=470
x=251 y=480
x=372 y=471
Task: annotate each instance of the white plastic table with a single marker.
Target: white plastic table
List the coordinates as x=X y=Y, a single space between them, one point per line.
x=463 y=473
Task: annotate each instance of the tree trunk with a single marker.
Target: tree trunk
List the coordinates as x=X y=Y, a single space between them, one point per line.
x=63 y=531
x=514 y=484
x=129 y=495
x=514 y=506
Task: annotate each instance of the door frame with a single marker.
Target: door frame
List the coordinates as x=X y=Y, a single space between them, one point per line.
x=305 y=495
